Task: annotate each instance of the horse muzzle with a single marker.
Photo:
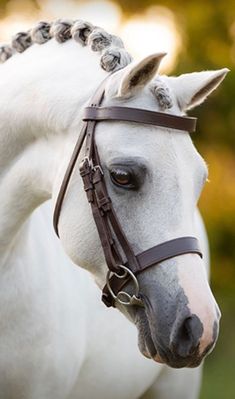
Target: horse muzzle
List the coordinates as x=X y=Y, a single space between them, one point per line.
x=176 y=343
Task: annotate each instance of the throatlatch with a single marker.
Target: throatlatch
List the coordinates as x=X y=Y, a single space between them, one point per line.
x=122 y=263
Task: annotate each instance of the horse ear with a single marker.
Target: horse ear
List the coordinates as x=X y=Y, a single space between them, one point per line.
x=138 y=75
x=191 y=89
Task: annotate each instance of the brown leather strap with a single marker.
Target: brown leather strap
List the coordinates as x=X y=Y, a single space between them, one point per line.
x=150 y=257
x=139 y=115
x=95 y=100
x=66 y=179
x=103 y=199
x=167 y=250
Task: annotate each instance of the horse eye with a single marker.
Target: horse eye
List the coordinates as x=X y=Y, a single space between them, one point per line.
x=122 y=178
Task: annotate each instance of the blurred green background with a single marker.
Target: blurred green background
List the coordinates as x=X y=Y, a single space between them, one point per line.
x=200 y=35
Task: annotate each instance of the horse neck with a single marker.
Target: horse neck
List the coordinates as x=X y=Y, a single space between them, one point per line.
x=42 y=92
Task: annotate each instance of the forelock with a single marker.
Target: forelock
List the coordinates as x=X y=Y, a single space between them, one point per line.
x=158 y=88
x=162 y=93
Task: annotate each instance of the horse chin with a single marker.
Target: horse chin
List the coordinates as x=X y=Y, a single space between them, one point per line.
x=147 y=347
x=152 y=350
x=145 y=341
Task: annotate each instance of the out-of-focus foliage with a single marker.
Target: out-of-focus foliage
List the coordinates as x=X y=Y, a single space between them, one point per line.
x=207 y=29
x=218 y=207
x=3 y=4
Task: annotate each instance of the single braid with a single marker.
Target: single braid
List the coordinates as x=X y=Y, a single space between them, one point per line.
x=81 y=31
x=41 y=32
x=99 y=39
x=6 y=52
x=162 y=93
x=115 y=58
x=61 y=30
x=21 y=41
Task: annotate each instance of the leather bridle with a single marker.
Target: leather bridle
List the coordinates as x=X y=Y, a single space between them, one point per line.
x=122 y=262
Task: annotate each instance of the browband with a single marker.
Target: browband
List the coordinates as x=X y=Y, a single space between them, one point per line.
x=138 y=115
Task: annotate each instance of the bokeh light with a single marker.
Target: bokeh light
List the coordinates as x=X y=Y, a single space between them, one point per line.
x=155 y=31
x=103 y=13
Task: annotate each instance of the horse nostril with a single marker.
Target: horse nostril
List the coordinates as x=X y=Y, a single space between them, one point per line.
x=186 y=335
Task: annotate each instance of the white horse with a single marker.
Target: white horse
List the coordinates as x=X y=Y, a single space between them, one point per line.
x=57 y=339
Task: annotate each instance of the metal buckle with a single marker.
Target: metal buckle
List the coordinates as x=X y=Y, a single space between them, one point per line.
x=85 y=166
x=90 y=164
x=123 y=297
x=98 y=167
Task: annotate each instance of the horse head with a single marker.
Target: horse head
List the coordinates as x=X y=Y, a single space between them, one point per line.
x=154 y=177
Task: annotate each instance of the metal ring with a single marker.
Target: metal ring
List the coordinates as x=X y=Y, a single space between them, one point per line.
x=130 y=299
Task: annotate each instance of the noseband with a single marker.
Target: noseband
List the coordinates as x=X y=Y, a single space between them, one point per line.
x=122 y=263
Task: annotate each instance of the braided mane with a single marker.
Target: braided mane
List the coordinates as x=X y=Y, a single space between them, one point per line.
x=111 y=47
x=113 y=53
